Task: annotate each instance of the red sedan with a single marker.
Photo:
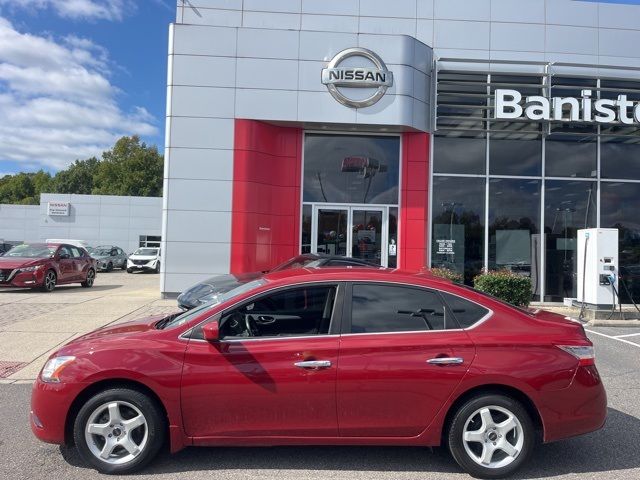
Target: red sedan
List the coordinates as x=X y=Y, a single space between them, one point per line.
x=330 y=357
x=45 y=265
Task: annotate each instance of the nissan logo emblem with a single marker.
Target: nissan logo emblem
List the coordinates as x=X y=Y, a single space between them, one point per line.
x=378 y=77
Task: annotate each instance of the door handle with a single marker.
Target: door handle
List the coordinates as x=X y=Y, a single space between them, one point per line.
x=314 y=364
x=445 y=361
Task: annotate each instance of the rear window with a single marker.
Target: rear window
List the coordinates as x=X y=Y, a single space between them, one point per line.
x=466 y=313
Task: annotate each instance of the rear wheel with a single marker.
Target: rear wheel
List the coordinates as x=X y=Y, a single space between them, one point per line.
x=109 y=266
x=50 y=279
x=119 y=430
x=124 y=265
x=91 y=276
x=491 y=436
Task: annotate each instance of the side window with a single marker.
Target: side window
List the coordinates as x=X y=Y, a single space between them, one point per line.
x=467 y=313
x=75 y=252
x=120 y=251
x=390 y=308
x=64 y=250
x=292 y=312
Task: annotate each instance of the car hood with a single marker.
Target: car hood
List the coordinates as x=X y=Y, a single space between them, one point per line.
x=17 y=262
x=231 y=279
x=143 y=257
x=100 y=257
x=219 y=284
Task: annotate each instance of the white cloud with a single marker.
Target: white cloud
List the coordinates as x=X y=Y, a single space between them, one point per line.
x=76 y=9
x=57 y=103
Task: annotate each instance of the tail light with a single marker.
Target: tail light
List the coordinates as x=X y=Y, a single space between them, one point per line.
x=585 y=354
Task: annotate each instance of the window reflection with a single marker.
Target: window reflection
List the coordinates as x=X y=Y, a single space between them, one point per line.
x=619 y=159
x=569 y=206
x=619 y=205
x=514 y=228
x=459 y=155
x=351 y=169
x=458 y=225
x=571 y=151
x=515 y=157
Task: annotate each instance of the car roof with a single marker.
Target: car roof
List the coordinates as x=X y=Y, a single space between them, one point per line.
x=353 y=273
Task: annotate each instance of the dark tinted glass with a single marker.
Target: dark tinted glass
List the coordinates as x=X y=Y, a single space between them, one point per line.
x=458 y=225
x=459 y=155
x=515 y=157
x=619 y=160
x=466 y=313
x=568 y=206
x=619 y=207
x=306 y=229
x=386 y=308
x=351 y=169
x=571 y=151
x=514 y=228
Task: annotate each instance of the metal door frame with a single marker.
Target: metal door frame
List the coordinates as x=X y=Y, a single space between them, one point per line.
x=349 y=209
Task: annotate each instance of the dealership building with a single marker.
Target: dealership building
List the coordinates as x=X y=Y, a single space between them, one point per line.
x=466 y=134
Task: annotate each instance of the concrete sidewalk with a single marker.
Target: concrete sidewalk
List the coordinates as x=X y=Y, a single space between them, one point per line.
x=33 y=324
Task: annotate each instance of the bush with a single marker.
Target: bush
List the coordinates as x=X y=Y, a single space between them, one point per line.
x=448 y=274
x=505 y=285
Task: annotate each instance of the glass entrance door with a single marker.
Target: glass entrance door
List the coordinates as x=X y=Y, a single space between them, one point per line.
x=351 y=231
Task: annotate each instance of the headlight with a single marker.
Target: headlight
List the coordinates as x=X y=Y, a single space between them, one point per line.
x=31 y=269
x=53 y=368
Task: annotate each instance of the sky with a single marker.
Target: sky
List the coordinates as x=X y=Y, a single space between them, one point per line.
x=76 y=75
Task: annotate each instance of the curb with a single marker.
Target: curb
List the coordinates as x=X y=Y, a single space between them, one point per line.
x=613 y=323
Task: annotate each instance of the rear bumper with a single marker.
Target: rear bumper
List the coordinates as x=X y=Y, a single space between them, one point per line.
x=578 y=409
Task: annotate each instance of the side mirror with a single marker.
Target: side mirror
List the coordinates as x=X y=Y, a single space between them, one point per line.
x=211 y=332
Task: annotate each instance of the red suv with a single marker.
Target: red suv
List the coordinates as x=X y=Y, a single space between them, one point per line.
x=45 y=265
x=326 y=357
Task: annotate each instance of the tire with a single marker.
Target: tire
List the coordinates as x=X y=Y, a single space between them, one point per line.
x=50 y=280
x=157 y=269
x=129 y=270
x=91 y=277
x=109 y=266
x=471 y=421
x=124 y=265
x=126 y=449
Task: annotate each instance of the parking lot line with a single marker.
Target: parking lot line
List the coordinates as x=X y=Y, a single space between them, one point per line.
x=614 y=338
x=628 y=335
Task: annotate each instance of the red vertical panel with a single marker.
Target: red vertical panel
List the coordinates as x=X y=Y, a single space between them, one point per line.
x=414 y=195
x=266 y=195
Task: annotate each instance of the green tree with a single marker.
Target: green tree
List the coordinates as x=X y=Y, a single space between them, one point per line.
x=24 y=188
x=130 y=168
x=77 y=178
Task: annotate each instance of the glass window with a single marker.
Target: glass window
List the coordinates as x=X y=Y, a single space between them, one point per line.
x=458 y=225
x=64 y=250
x=467 y=313
x=571 y=151
x=514 y=228
x=619 y=159
x=351 y=169
x=619 y=207
x=392 y=259
x=458 y=154
x=75 y=252
x=568 y=206
x=306 y=229
x=515 y=157
x=296 y=311
x=390 y=308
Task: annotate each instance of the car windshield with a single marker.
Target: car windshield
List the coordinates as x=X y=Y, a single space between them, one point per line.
x=295 y=262
x=175 y=321
x=101 y=251
x=31 y=251
x=146 y=251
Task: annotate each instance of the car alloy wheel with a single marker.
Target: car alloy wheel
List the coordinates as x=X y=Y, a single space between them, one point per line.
x=91 y=276
x=491 y=436
x=50 y=280
x=119 y=430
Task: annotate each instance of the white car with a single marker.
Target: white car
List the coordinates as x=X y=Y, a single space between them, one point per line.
x=144 y=258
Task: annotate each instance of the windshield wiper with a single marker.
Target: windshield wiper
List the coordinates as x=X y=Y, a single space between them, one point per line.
x=165 y=321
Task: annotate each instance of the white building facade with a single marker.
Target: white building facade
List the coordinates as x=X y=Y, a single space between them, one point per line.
x=406 y=162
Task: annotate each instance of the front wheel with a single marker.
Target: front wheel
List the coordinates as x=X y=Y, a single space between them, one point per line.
x=91 y=276
x=119 y=430
x=109 y=267
x=50 y=280
x=491 y=436
x=157 y=269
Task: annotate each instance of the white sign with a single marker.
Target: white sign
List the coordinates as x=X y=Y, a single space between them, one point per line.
x=508 y=105
x=58 y=209
x=445 y=247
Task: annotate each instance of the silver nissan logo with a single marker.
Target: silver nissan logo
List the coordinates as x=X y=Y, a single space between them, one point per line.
x=335 y=76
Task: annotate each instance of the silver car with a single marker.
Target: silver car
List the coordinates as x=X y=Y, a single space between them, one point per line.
x=109 y=257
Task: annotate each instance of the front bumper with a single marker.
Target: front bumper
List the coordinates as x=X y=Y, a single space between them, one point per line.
x=578 y=409
x=24 y=279
x=50 y=404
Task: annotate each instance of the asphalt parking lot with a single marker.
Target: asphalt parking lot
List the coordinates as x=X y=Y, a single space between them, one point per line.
x=611 y=453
